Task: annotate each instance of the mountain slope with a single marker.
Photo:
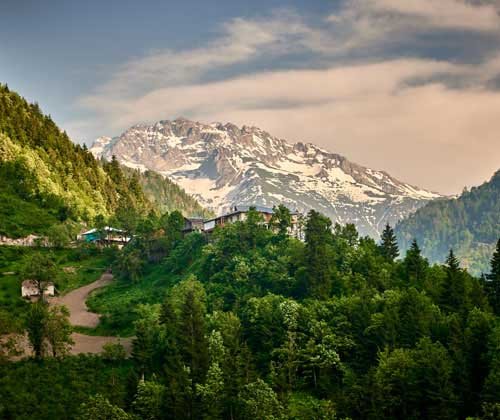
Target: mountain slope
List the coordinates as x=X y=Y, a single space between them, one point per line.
x=166 y=195
x=470 y=224
x=46 y=179
x=224 y=165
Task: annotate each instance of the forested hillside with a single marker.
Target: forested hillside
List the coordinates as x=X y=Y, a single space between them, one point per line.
x=45 y=179
x=470 y=224
x=253 y=324
x=246 y=322
x=166 y=195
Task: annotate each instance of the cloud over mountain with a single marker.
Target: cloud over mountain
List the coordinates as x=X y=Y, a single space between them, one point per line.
x=362 y=79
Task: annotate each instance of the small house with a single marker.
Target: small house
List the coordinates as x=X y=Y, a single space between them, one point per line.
x=192 y=224
x=29 y=288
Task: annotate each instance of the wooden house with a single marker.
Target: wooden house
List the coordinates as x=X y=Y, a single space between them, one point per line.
x=192 y=224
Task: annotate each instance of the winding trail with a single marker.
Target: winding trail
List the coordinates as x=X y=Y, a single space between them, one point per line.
x=75 y=301
x=80 y=315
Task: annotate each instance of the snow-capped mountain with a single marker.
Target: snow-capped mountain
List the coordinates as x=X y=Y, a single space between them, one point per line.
x=223 y=165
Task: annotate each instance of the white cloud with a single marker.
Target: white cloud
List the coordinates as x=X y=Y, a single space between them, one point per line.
x=359 y=23
x=260 y=90
x=401 y=115
x=457 y=14
x=442 y=13
x=240 y=40
x=363 y=23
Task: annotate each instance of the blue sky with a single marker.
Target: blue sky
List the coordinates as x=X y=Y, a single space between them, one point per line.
x=408 y=86
x=55 y=51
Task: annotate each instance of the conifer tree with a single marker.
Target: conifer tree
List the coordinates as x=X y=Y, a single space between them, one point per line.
x=415 y=265
x=146 y=339
x=493 y=284
x=114 y=171
x=389 y=244
x=172 y=225
x=147 y=404
x=193 y=350
x=142 y=349
x=170 y=348
x=318 y=268
x=212 y=392
x=453 y=295
x=452 y=262
x=179 y=384
x=192 y=340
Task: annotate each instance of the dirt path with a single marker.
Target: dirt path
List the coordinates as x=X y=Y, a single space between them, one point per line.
x=75 y=301
x=80 y=315
x=93 y=344
x=82 y=344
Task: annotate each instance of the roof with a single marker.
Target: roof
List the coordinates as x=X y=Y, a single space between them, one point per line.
x=244 y=209
x=33 y=283
x=194 y=219
x=106 y=229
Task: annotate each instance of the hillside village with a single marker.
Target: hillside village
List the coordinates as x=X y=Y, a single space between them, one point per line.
x=111 y=236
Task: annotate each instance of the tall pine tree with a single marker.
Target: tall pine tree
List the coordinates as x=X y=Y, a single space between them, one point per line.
x=318 y=267
x=493 y=284
x=193 y=347
x=453 y=294
x=415 y=265
x=389 y=244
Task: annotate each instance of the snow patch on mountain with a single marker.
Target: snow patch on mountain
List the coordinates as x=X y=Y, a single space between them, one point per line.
x=223 y=165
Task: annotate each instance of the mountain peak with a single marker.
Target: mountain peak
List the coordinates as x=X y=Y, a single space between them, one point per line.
x=224 y=165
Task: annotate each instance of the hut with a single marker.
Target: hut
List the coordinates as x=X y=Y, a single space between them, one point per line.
x=30 y=288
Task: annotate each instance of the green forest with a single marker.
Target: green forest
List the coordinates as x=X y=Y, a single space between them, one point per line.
x=470 y=224
x=251 y=323
x=166 y=196
x=246 y=322
x=48 y=182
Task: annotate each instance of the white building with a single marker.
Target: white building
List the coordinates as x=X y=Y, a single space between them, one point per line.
x=239 y=214
x=29 y=288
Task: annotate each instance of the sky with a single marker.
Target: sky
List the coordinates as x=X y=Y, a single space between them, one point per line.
x=411 y=87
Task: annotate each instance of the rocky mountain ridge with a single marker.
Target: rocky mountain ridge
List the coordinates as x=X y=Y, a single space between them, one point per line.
x=223 y=165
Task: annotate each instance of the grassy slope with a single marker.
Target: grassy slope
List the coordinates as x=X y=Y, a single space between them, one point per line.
x=117 y=301
x=19 y=218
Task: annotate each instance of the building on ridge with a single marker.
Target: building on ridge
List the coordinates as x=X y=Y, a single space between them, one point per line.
x=240 y=213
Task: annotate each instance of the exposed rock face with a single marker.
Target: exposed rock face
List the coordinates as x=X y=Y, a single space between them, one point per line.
x=223 y=165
